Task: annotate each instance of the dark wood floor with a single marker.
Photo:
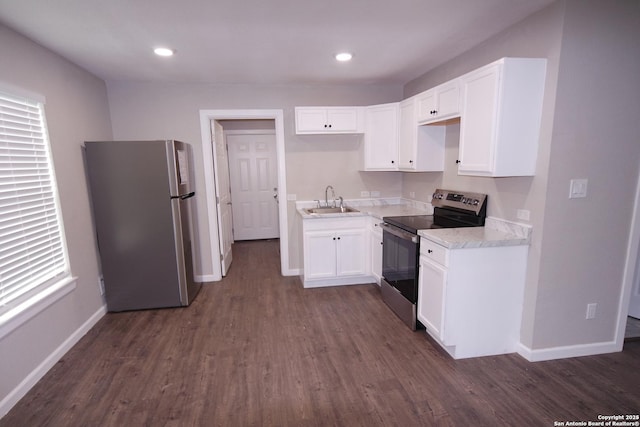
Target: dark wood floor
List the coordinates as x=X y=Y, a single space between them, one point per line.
x=259 y=350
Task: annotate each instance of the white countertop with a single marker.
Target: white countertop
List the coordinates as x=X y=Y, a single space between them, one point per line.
x=496 y=232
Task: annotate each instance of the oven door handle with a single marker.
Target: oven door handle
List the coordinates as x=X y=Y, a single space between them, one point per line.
x=399 y=232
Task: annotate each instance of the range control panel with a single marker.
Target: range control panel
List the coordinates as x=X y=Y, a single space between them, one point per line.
x=467 y=201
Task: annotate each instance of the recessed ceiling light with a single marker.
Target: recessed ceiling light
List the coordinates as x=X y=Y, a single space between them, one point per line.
x=163 y=51
x=344 y=56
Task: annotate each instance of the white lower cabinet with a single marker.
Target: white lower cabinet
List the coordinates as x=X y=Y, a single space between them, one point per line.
x=431 y=297
x=336 y=252
x=470 y=299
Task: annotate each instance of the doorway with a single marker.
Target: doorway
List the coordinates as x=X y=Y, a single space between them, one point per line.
x=253 y=176
x=206 y=117
x=629 y=307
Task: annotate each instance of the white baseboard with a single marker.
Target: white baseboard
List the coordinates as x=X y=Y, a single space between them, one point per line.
x=211 y=278
x=567 y=351
x=30 y=380
x=206 y=278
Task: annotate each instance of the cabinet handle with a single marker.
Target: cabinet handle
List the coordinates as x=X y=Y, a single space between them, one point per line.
x=334 y=238
x=338 y=238
x=458 y=161
x=393 y=161
x=410 y=161
x=429 y=251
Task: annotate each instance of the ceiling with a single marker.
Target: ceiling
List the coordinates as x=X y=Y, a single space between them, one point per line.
x=262 y=41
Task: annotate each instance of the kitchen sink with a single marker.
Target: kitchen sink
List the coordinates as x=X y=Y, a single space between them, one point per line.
x=330 y=210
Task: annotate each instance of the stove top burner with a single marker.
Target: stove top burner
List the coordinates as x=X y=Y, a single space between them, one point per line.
x=451 y=209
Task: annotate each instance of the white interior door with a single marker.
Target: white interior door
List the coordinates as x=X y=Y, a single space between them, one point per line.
x=223 y=196
x=254 y=181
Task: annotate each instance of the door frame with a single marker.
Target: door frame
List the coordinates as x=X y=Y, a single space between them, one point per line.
x=630 y=266
x=206 y=116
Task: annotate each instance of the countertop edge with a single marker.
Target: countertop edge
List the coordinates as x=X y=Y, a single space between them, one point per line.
x=496 y=232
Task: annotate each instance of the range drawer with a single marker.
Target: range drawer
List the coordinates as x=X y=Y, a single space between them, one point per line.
x=434 y=251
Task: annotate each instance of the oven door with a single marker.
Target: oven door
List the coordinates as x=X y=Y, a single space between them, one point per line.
x=400 y=250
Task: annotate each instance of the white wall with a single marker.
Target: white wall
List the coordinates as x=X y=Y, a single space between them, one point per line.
x=539 y=35
x=147 y=110
x=589 y=130
x=76 y=110
x=595 y=136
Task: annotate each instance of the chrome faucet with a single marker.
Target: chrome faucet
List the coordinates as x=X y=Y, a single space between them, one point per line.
x=326 y=196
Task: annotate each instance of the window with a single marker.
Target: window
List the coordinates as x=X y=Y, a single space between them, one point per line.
x=33 y=255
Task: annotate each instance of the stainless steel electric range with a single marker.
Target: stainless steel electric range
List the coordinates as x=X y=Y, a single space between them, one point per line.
x=401 y=246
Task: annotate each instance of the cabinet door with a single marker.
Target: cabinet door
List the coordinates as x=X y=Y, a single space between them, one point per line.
x=426 y=104
x=432 y=297
x=448 y=102
x=342 y=119
x=319 y=255
x=381 y=137
x=352 y=254
x=407 y=144
x=311 y=119
x=440 y=103
x=477 y=130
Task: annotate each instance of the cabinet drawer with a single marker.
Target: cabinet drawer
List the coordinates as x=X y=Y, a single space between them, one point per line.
x=434 y=251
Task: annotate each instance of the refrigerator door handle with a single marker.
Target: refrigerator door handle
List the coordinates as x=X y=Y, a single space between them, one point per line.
x=184 y=196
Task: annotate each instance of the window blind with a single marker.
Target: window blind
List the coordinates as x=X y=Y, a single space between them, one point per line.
x=32 y=250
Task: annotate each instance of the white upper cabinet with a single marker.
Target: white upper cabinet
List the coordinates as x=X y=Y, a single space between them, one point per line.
x=381 y=137
x=327 y=120
x=500 y=118
x=420 y=147
x=439 y=103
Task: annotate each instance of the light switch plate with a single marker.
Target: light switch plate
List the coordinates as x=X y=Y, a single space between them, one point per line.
x=578 y=188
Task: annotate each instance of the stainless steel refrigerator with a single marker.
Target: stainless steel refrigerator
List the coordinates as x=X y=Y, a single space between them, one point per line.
x=141 y=192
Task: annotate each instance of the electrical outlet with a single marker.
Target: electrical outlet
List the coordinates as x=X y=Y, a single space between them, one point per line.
x=364 y=194
x=412 y=194
x=523 y=214
x=375 y=194
x=591 y=310
x=101 y=284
